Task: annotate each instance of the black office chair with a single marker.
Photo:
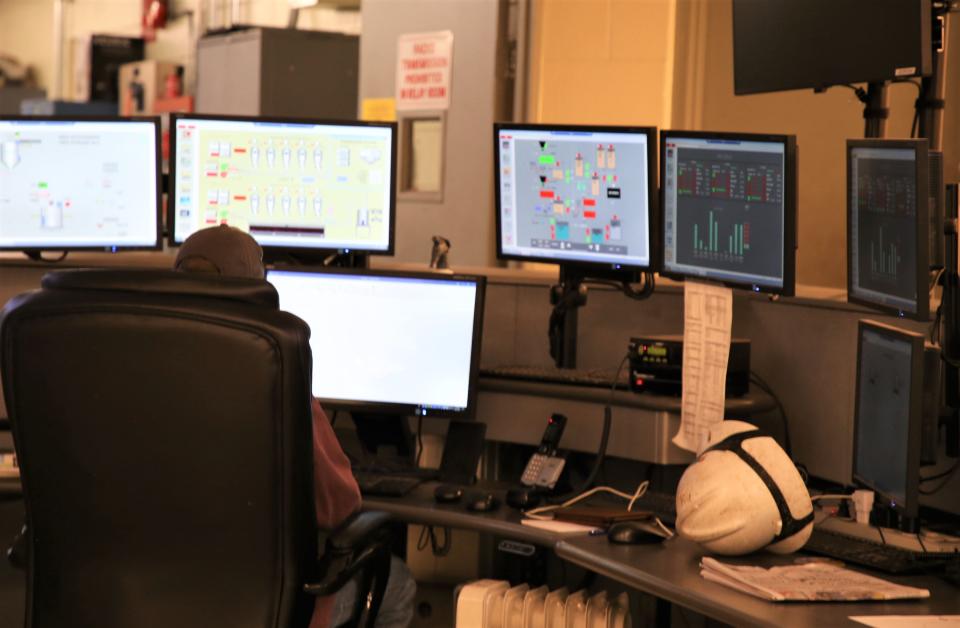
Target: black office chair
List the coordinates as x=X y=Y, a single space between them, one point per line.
x=163 y=426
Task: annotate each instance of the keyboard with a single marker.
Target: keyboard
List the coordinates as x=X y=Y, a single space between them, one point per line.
x=664 y=505
x=386 y=486
x=886 y=558
x=595 y=378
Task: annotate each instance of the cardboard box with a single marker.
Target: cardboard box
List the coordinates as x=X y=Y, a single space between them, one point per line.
x=140 y=85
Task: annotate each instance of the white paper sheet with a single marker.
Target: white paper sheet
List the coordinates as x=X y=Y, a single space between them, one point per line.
x=909 y=621
x=707 y=319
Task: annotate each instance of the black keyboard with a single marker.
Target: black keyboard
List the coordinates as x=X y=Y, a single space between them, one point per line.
x=596 y=378
x=663 y=505
x=386 y=486
x=886 y=558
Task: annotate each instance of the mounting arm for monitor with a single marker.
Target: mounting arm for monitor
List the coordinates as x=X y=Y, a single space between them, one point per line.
x=571 y=294
x=929 y=105
x=37 y=256
x=875 y=111
x=950 y=347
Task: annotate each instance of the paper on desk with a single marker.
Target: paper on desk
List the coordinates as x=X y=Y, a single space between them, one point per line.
x=809 y=582
x=707 y=318
x=909 y=621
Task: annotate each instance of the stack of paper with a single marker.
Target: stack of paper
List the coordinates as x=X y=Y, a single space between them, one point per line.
x=810 y=582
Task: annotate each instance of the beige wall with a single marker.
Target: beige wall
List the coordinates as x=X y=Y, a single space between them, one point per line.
x=601 y=61
x=670 y=63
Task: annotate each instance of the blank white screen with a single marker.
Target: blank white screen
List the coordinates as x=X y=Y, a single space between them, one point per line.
x=385 y=339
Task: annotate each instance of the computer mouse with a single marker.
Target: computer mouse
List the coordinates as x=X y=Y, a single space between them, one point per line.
x=482 y=502
x=523 y=498
x=447 y=494
x=632 y=533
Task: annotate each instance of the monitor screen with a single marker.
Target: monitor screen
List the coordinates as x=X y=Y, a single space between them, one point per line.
x=393 y=342
x=887 y=236
x=888 y=413
x=729 y=208
x=575 y=194
x=73 y=184
x=291 y=184
x=794 y=44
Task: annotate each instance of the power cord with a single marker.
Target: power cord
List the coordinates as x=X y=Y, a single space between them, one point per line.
x=944 y=478
x=428 y=535
x=756 y=379
x=419 y=440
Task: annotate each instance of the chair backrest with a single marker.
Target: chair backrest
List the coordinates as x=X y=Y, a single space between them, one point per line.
x=162 y=423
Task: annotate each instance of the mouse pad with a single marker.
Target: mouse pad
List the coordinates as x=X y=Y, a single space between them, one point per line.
x=600 y=517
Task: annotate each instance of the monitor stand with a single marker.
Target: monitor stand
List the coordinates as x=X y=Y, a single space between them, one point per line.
x=891 y=536
x=567 y=297
x=950 y=345
x=386 y=439
x=351 y=259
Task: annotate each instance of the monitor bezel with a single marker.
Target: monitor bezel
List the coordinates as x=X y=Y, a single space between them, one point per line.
x=371 y=407
x=158 y=159
x=652 y=194
x=391 y=228
x=921 y=151
x=790 y=174
x=910 y=506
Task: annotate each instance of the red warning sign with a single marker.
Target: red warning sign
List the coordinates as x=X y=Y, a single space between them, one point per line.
x=424 y=69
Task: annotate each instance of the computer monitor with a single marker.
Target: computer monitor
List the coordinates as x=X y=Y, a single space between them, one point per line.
x=581 y=195
x=295 y=185
x=389 y=342
x=888 y=414
x=794 y=44
x=887 y=223
x=730 y=208
x=72 y=184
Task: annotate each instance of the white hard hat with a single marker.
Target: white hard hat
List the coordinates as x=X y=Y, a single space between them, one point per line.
x=742 y=494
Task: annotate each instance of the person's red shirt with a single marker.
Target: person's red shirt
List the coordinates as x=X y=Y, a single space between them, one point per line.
x=336 y=494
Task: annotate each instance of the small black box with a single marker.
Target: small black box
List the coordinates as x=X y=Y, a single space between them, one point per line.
x=656 y=365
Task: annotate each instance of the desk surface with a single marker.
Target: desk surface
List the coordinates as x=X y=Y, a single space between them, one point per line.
x=418 y=506
x=671 y=571
x=668 y=570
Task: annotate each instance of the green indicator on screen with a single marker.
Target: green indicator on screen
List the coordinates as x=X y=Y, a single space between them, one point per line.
x=547 y=160
x=42 y=185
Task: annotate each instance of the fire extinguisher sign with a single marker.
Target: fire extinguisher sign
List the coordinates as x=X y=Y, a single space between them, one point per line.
x=424 y=69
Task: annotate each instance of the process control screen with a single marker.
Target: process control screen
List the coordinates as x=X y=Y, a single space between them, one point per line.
x=386 y=339
x=290 y=185
x=570 y=195
x=724 y=209
x=78 y=184
x=883 y=226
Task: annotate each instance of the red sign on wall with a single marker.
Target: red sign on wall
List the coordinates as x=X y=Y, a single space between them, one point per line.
x=424 y=69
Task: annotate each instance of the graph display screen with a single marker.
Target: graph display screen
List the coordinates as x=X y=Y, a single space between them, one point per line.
x=575 y=194
x=887 y=422
x=290 y=184
x=728 y=203
x=404 y=342
x=887 y=224
x=71 y=184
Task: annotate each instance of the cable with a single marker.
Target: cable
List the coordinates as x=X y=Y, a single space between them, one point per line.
x=919 y=540
x=333 y=418
x=419 y=439
x=944 y=480
x=944 y=474
x=840 y=497
x=428 y=535
x=883 y=539
x=756 y=379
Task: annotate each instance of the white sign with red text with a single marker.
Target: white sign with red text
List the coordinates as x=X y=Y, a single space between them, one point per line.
x=424 y=69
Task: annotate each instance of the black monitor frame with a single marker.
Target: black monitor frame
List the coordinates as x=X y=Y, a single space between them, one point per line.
x=390 y=408
x=910 y=507
x=270 y=251
x=652 y=196
x=922 y=221
x=34 y=252
x=790 y=174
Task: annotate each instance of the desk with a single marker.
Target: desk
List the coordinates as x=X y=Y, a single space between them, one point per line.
x=669 y=571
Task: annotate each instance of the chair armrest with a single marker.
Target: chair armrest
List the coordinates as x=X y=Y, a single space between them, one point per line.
x=357 y=530
x=17 y=553
x=356 y=545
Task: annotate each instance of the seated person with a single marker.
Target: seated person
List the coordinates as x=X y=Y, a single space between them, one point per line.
x=231 y=252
